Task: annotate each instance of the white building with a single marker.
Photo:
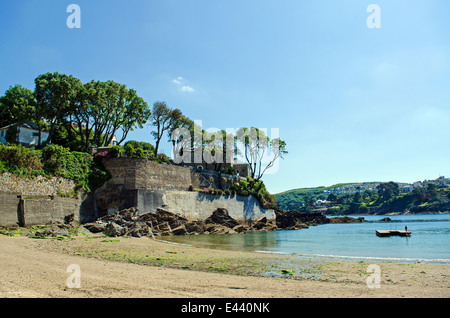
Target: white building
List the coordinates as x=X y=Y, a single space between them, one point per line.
x=26 y=134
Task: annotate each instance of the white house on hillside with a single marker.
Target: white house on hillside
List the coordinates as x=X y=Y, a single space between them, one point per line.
x=27 y=134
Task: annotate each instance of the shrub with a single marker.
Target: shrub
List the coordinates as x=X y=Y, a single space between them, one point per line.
x=129 y=150
x=21 y=158
x=244 y=193
x=116 y=152
x=139 y=153
x=141 y=144
x=162 y=158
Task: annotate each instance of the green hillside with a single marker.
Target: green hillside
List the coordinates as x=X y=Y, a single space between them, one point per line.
x=370 y=197
x=297 y=198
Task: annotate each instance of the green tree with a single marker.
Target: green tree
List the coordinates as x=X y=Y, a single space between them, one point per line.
x=256 y=146
x=105 y=109
x=332 y=197
x=162 y=118
x=19 y=106
x=56 y=95
x=387 y=191
x=19 y=103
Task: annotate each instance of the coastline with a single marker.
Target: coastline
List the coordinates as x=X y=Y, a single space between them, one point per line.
x=148 y=268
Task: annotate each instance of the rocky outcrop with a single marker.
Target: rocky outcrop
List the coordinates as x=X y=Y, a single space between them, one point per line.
x=346 y=219
x=128 y=222
x=295 y=220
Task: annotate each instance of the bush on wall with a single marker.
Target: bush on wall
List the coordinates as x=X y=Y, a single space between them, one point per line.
x=54 y=160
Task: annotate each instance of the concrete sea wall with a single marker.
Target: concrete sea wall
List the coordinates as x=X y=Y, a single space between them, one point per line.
x=199 y=206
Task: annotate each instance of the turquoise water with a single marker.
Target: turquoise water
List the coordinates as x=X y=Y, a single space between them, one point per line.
x=429 y=241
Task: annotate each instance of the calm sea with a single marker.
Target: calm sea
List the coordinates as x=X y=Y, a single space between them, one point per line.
x=429 y=241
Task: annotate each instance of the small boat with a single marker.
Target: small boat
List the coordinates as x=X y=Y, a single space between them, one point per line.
x=384 y=233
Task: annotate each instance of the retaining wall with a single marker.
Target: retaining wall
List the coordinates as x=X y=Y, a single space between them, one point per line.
x=17 y=209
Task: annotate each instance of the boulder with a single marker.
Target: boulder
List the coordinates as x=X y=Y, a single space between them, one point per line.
x=212 y=228
x=220 y=216
x=180 y=230
x=292 y=219
x=240 y=228
x=260 y=224
x=139 y=229
x=113 y=229
x=346 y=219
x=96 y=227
x=195 y=227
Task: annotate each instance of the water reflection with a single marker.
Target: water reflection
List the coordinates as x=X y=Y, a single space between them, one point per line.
x=248 y=241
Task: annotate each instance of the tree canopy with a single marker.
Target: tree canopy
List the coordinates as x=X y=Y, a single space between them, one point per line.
x=92 y=113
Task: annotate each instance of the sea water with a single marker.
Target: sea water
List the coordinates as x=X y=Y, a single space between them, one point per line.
x=429 y=241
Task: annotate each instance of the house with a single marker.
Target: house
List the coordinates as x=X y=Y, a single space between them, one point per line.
x=321 y=203
x=407 y=188
x=26 y=134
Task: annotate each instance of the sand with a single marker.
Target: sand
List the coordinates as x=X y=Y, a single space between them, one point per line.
x=145 y=268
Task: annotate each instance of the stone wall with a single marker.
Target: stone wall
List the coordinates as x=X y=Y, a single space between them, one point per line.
x=143 y=174
x=134 y=173
x=39 y=186
x=9 y=209
x=32 y=210
x=30 y=201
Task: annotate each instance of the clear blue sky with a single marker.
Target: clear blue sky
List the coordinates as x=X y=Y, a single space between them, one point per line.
x=353 y=104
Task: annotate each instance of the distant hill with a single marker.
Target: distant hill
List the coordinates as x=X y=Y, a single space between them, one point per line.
x=370 y=197
x=296 y=198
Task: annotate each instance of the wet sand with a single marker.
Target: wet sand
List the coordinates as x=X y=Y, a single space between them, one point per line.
x=146 y=268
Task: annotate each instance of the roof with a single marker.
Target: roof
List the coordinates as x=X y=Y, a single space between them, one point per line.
x=28 y=125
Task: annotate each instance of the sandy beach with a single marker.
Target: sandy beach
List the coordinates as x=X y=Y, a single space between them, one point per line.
x=146 y=268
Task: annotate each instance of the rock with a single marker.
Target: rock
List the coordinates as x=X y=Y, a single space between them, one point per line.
x=96 y=227
x=69 y=219
x=139 y=229
x=163 y=222
x=180 y=230
x=260 y=224
x=297 y=226
x=218 y=229
x=195 y=227
x=293 y=218
x=346 y=219
x=240 y=228
x=385 y=220
x=113 y=229
x=220 y=216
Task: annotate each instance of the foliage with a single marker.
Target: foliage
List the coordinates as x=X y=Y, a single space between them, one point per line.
x=54 y=160
x=19 y=157
x=116 y=151
x=163 y=118
x=387 y=198
x=256 y=146
x=18 y=105
x=257 y=189
x=87 y=171
x=105 y=108
x=56 y=97
x=162 y=158
x=228 y=170
x=141 y=144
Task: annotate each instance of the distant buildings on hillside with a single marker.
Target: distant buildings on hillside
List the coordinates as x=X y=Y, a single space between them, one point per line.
x=441 y=182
